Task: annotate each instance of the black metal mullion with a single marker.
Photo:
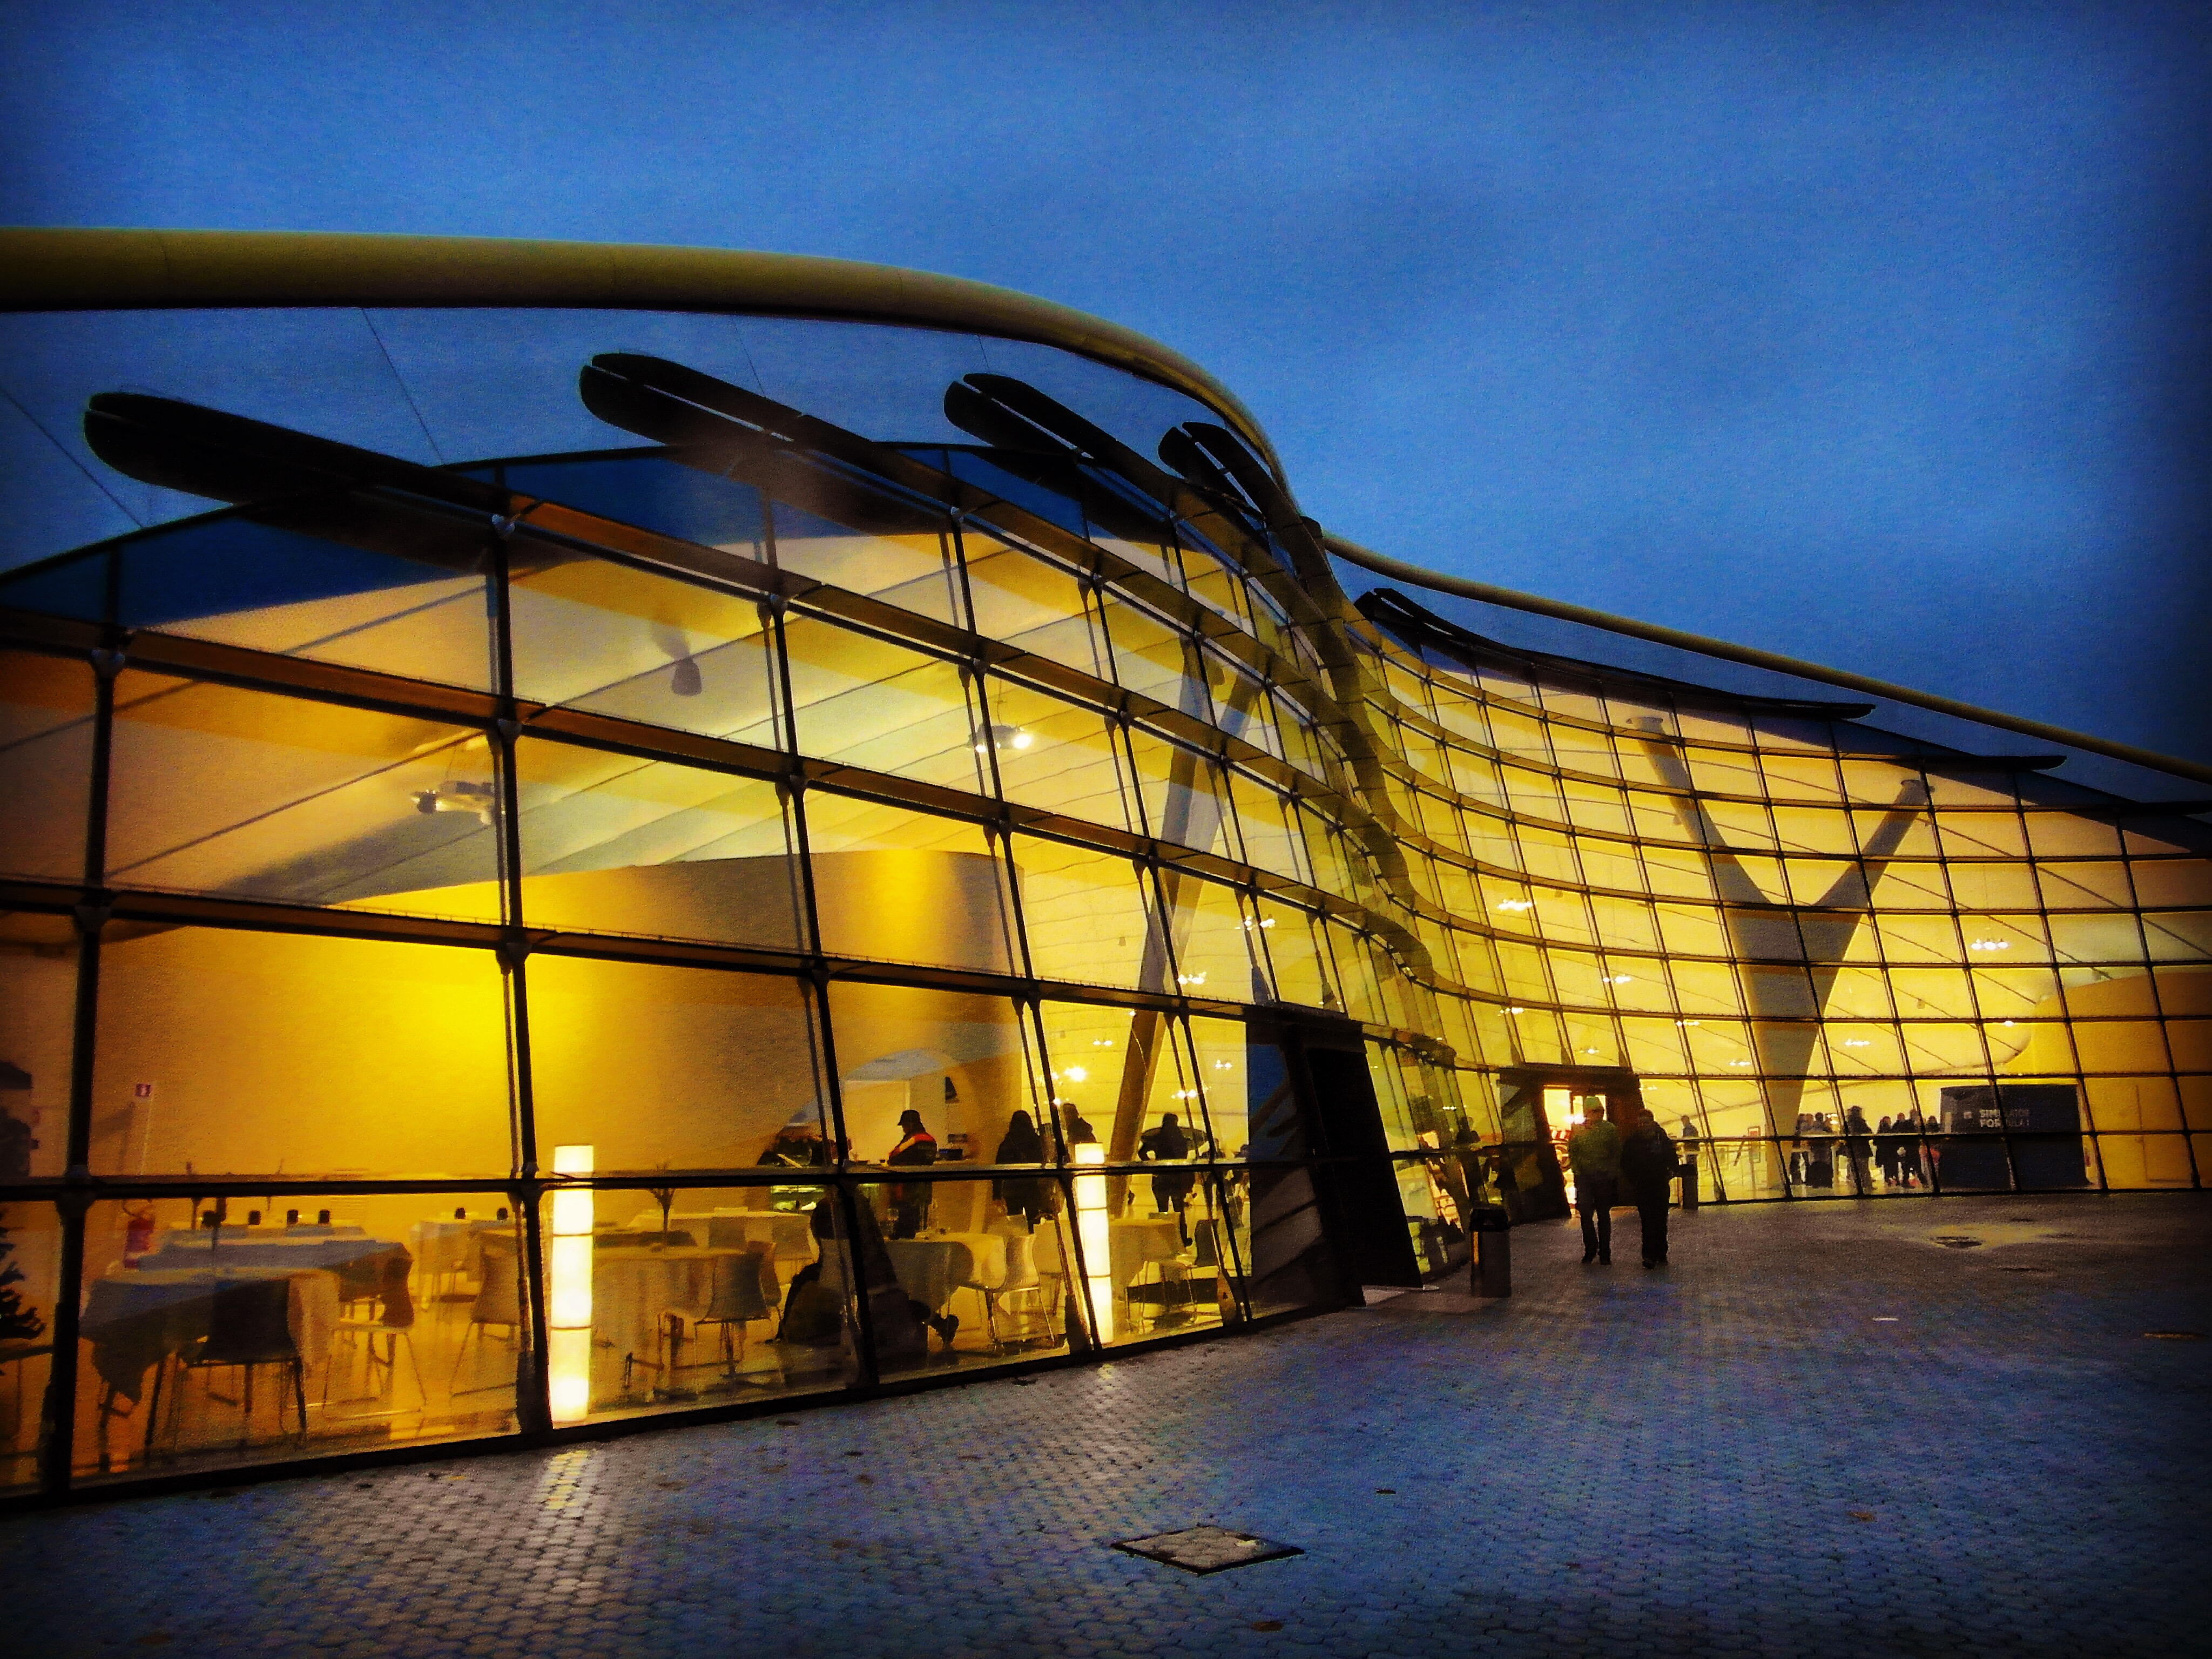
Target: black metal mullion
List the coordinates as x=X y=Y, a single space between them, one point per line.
x=75 y=1200
x=533 y=1382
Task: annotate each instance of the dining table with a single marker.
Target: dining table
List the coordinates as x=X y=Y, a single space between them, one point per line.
x=448 y=1251
x=789 y=1233
x=357 y=1258
x=136 y=1318
x=931 y=1269
x=635 y=1286
x=1137 y=1241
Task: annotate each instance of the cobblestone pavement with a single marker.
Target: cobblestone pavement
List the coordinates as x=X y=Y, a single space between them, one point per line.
x=1820 y=1431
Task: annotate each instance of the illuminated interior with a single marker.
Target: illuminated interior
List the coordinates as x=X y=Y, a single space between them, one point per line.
x=858 y=853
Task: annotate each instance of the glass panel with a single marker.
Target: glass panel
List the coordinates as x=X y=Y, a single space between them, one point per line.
x=618 y=641
x=1169 y=1264
x=1215 y=953
x=665 y=1297
x=1298 y=956
x=30 y=1289
x=1059 y=756
x=2080 y=939
x=1269 y=823
x=1034 y=605
x=1183 y=795
x=2177 y=881
x=2060 y=834
x=914 y=568
x=46 y=762
x=1213 y=583
x=238 y=1053
x=2171 y=936
x=681 y=1068
x=657 y=492
x=953 y=1285
x=1117 y=1074
x=1154 y=659
x=38 y=1008
x=938 y=1077
x=903 y=886
x=1088 y=916
x=1252 y=1105
x=376 y=587
x=868 y=703
x=613 y=844
x=219 y=790
x=217 y=1332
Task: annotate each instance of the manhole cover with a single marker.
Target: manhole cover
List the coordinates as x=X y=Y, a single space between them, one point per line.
x=1206 y=1549
x=1957 y=1242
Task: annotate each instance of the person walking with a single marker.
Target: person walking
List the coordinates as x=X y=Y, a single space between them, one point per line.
x=1648 y=1161
x=1594 y=1155
x=1858 y=1148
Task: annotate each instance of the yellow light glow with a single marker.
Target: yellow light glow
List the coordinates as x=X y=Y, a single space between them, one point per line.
x=569 y=1356
x=569 y=1305
x=1075 y=1074
x=1092 y=1226
x=569 y=1291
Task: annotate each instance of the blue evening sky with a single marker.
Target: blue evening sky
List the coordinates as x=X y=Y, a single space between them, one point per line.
x=1875 y=334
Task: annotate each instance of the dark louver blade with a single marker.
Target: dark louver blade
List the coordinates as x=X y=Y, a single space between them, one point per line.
x=229 y=458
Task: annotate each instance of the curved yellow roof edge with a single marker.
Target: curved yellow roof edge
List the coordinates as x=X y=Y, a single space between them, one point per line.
x=103 y=269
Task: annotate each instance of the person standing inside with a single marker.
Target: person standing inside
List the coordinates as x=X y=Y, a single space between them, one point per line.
x=1594 y=1155
x=1169 y=1143
x=1021 y=1196
x=1648 y=1161
x=910 y=1199
x=1858 y=1147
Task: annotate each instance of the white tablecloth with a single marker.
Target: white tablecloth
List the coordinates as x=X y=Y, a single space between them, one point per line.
x=633 y=1286
x=931 y=1269
x=790 y=1232
x=1137 y=1241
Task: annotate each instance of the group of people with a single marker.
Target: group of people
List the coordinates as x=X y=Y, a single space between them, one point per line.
x=1896 y=1148
x=1611 y=1166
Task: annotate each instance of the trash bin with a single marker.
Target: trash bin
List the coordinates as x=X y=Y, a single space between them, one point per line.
x=1493 y=1250
x=1688 y=1171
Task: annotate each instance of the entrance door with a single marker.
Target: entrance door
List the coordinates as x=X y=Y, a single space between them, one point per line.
x=1538 y=1108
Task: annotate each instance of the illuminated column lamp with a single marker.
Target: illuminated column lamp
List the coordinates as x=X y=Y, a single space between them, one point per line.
x=569 y=1297
x=1091 y=1222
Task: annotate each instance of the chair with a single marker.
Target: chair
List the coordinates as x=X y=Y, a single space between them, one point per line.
x=498 y=1302
x=1036 y=1279
x=1208 y=1243
x=249 y=1326
x=393 y=1319
x=1021 y=1275
x=745 y=1290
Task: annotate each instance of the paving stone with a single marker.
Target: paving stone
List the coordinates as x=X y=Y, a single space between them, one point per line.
x=1609 y=1463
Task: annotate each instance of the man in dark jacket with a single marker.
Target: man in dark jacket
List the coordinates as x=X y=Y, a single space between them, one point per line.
x=1168 y=1142
x=1647 y=1164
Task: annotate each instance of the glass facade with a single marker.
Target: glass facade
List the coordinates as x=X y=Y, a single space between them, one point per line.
x=565 y=865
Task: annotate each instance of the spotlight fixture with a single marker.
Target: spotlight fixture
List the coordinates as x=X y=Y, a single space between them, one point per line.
x=1003 y=738
x=1989 y=945
x=459 y=795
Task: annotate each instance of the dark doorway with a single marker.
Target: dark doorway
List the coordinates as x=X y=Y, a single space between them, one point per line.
x=1538 y=1107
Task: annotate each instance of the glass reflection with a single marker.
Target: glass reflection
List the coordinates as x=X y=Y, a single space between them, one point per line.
x=217 y=1332
x=670 y=1297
